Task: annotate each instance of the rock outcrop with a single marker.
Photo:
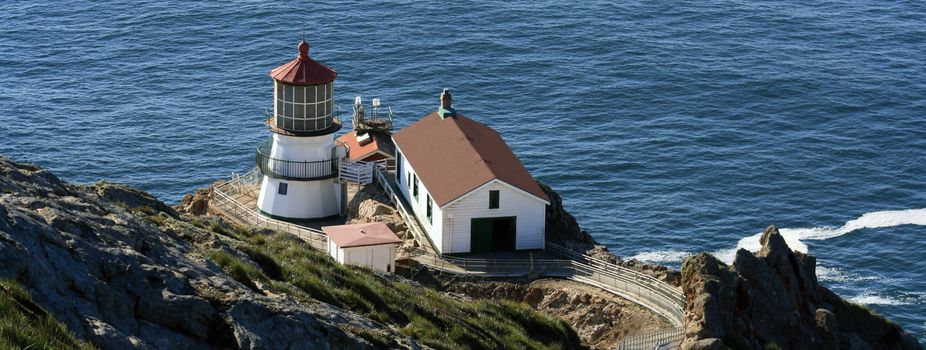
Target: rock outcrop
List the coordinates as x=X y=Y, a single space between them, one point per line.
x=196 y=203
x=772 y=300
x=88 y=256
x=370 y=204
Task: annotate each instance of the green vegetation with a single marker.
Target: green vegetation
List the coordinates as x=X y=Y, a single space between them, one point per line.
x=283 y=264
x=23 y=324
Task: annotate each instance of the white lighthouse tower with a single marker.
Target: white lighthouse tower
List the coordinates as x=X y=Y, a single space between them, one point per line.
x=300 y=164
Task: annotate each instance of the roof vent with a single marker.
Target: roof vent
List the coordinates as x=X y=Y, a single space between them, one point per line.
x=364 y=139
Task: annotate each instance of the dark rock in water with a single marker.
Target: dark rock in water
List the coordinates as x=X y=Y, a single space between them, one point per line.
x=772 y=300
x=88 y=256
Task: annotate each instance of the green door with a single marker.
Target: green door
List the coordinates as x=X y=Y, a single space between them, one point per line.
x=481 y=235
x=492 y=234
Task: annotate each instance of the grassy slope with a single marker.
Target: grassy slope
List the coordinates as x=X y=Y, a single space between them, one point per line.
x=23 y=324
x=283 y=264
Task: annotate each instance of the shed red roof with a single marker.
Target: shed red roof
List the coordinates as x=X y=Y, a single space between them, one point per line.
x=358 y=235
x=380 y=142
x=303 y=70
x=455 y=155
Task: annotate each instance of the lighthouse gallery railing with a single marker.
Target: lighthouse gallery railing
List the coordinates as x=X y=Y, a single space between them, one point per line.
x=294 y=170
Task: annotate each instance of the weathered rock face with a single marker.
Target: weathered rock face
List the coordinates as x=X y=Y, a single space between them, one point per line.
x=197 y=203
x=370 y=204
x=120 y=281
x=772 y=299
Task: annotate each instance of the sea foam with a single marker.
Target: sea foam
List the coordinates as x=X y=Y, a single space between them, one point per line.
x=661 y=256
x=873 y=298
x=795 y=236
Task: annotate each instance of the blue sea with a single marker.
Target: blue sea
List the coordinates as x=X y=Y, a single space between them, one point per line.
x=669 y=127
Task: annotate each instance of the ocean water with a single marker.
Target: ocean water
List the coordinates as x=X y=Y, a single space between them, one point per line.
x=670 y=128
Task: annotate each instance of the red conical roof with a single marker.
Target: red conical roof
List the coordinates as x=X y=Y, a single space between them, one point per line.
x=303 y=70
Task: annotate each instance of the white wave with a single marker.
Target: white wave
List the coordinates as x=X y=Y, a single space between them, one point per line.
x=725 y=255
x=877 y=219
x=662 y=256
x=869 y=298
x=835 y=274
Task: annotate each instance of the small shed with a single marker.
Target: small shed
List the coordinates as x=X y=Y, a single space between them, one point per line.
x=369 y=245
x=369 y=146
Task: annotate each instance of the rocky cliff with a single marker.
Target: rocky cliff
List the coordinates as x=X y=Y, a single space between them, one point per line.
x=88 y=256
x=121 y=269
x=772 y=300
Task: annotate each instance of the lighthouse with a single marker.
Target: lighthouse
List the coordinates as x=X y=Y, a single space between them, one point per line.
x=300 y=162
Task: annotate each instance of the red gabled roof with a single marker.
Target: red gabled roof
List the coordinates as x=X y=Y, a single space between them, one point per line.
x=303 y=70
x=358 y=235
x=380 y=142
x=455 y=155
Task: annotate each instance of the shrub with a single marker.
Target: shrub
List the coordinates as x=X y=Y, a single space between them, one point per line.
x=23 y=324
x=285 y=264
x=238 y=270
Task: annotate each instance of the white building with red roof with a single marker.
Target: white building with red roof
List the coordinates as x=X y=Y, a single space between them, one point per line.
x=368 y=245
x=468 y=190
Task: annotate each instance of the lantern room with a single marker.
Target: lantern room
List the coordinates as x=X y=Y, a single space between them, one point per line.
x=303 y=90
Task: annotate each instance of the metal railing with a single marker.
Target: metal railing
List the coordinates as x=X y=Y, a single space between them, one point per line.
x=411 y=221
x=658 y=340
x=669 y=296
x=637 y=287
x=294 y=170
x=372 y=121
x=225 y=197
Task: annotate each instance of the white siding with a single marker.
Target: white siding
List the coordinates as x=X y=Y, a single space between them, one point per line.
x=434 y=228
x=377 y=257
x=303 y=199
x=529 y=210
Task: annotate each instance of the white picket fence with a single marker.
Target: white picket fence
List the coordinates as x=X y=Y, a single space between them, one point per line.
x=357 y=172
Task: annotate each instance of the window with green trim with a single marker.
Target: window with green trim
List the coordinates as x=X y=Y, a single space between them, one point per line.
x=428 y=206
x=493 y=199
x=415 y=186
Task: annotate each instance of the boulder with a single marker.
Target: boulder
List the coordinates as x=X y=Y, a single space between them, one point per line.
x=196 y=203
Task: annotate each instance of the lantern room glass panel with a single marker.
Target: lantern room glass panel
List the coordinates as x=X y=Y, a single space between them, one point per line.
x=304 y=108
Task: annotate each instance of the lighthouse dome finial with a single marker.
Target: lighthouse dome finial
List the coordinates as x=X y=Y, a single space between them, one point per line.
x=303 y=49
